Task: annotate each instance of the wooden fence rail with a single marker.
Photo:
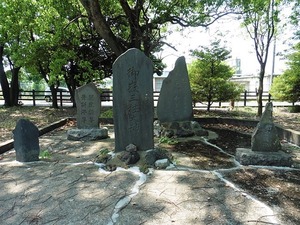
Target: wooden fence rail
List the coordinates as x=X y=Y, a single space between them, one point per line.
x=245 y=98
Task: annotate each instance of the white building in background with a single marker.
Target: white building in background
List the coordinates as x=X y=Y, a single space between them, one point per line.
x=249 y=81
x=157 y=80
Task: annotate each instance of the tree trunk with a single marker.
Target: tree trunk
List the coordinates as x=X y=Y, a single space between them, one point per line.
x=54 y=96
x=3 y=81
x=260 y=90
x=94 y=11
x=15 y=89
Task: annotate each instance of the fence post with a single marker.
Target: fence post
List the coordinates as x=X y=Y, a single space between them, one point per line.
x=245 y=98
x=33 y=97
x=61 y=100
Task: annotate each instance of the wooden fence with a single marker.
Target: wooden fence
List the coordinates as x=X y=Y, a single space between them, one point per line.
x=247 y=98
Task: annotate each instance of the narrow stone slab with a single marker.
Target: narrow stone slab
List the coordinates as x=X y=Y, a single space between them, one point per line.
x=133 y=100
x=175 y=99
x=247 y=157
x=26 y=141
x=88 y=104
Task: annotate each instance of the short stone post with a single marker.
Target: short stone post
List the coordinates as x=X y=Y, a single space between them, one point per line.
x=88 y=104
x=26 y=141
x=265 y=144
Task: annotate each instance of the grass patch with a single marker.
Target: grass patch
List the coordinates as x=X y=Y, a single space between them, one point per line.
x=294 y=109
x=45 y=154
x=108 y=113
x=169 y=141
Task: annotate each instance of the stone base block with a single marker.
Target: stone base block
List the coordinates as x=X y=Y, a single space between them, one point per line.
x=87 y=134
x=179 y=129
x=248 y=157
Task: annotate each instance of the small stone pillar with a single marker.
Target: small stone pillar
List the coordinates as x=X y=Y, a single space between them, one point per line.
x=265 y=144
x=265 y=137
x=88 y=104
x=26 y=141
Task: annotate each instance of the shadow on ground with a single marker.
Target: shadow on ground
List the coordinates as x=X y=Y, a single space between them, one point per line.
x=69 y=189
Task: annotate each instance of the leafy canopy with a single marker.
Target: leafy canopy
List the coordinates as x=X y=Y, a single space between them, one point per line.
x=209 y=75
x=286 y=87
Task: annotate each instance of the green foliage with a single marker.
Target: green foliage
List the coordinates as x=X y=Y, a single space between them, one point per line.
x=286 y=87
x=169 y=141
x=209 y=76
x=144 y=168
x=107 y=113
x=45 y=154
x=104 y=151
x=294 y=109
x=103 y=156
x=261 y=18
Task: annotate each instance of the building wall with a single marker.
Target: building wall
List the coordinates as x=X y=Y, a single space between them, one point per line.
x=249 y=81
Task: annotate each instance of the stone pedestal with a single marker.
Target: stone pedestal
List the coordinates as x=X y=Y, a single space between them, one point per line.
x=248 y=157
x=179 y=129
x=87 y=134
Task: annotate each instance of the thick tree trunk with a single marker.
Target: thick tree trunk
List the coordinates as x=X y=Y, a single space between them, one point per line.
x=15 y=89
x=54 y=97
x=94 y=11
x=3 y=81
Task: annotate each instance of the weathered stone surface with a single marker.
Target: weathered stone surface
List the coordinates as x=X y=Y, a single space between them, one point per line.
x=179 y=129
x=133 y=100
x=152 y=155
x=130 y=156
x=162 y=163
x=265 y=137
x=248 y=157
x=175 y=99
x=88 y=104
x=26 y=141
x=87 y=134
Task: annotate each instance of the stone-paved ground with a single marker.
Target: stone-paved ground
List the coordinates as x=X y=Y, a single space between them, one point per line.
x=68 y=189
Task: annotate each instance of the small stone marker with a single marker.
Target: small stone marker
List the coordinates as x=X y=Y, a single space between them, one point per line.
x=265 y=137
x=265 y=144
x=26 y=141
x=88 y=104
x=133 y=100
x=175 y=99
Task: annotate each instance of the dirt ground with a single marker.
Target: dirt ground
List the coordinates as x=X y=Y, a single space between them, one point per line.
x=66 y=188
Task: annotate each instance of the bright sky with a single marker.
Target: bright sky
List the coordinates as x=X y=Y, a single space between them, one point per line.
x=235 y=38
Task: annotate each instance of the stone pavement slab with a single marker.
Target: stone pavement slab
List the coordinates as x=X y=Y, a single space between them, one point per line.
x=193 y=197
x=49 y=193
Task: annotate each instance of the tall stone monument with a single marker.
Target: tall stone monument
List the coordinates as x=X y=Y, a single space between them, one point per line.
x=133 y=100
x=175 y=99
x=265 y=144
x=175 y=107
x=26 y=141
x=88 y=104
